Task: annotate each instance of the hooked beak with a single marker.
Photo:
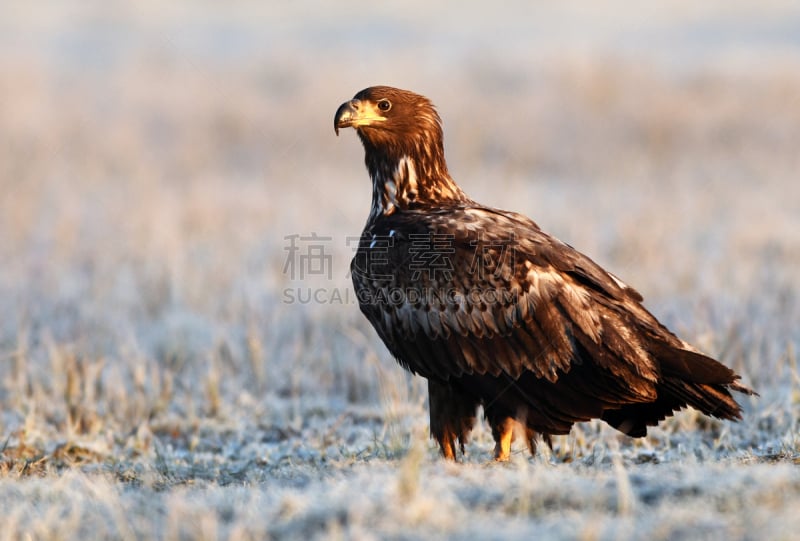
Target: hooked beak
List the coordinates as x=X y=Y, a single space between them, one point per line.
x=356 y=113
x=345 y=115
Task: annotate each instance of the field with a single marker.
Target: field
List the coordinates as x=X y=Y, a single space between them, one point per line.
x=181 y=356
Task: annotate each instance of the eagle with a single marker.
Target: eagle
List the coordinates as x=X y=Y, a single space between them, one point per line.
x=494 y=312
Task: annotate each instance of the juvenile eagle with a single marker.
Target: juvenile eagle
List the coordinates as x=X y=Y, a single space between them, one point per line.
x=492 y=311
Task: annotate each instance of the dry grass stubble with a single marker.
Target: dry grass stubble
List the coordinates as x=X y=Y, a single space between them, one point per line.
x=154 y=383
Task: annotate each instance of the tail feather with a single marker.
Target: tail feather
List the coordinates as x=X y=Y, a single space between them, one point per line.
x=674 y=395
x=714 y=400
x=689 y=378
x=690 y=365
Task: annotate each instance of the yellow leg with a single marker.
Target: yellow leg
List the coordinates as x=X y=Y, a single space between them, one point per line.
x=503 y=436
x=446 y=445
x=452 y=417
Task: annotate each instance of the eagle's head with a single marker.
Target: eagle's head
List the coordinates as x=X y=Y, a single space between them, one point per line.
x=392 y=120
x=404 y=153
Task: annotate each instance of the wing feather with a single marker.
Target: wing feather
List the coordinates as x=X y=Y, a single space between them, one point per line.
x=568 y=334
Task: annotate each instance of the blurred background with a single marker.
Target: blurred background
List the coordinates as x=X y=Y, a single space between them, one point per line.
x=156 y=161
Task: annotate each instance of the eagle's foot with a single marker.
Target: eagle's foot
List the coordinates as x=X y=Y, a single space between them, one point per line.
x=447 y=448
x=503 y=436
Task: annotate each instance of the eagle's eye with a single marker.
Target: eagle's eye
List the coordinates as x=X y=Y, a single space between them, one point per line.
x=384 y=105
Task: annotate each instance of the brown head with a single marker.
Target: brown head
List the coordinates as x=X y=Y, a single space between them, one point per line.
x=389 y=117
x=404 y=151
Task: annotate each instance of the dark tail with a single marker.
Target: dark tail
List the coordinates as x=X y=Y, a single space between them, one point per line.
x=688 y=379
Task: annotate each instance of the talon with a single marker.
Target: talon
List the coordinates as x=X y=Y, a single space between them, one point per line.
x=504 y=435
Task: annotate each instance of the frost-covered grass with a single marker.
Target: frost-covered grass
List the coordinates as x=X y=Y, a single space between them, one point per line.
x=155 y=382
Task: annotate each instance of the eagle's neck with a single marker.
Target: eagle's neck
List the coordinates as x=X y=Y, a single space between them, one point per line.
x=416 y=179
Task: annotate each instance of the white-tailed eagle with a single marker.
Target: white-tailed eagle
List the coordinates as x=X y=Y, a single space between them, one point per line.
x=494 y=312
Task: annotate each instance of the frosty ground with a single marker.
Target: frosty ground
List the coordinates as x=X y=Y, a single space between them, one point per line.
x=162 y=377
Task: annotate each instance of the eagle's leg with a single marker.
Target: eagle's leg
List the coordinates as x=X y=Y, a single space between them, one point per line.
x=452 y=416
x=503 y=433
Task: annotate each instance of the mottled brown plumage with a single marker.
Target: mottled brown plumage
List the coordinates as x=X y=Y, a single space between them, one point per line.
x=495 y=312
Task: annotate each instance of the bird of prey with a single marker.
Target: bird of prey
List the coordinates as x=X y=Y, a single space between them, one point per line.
x=494 y=312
